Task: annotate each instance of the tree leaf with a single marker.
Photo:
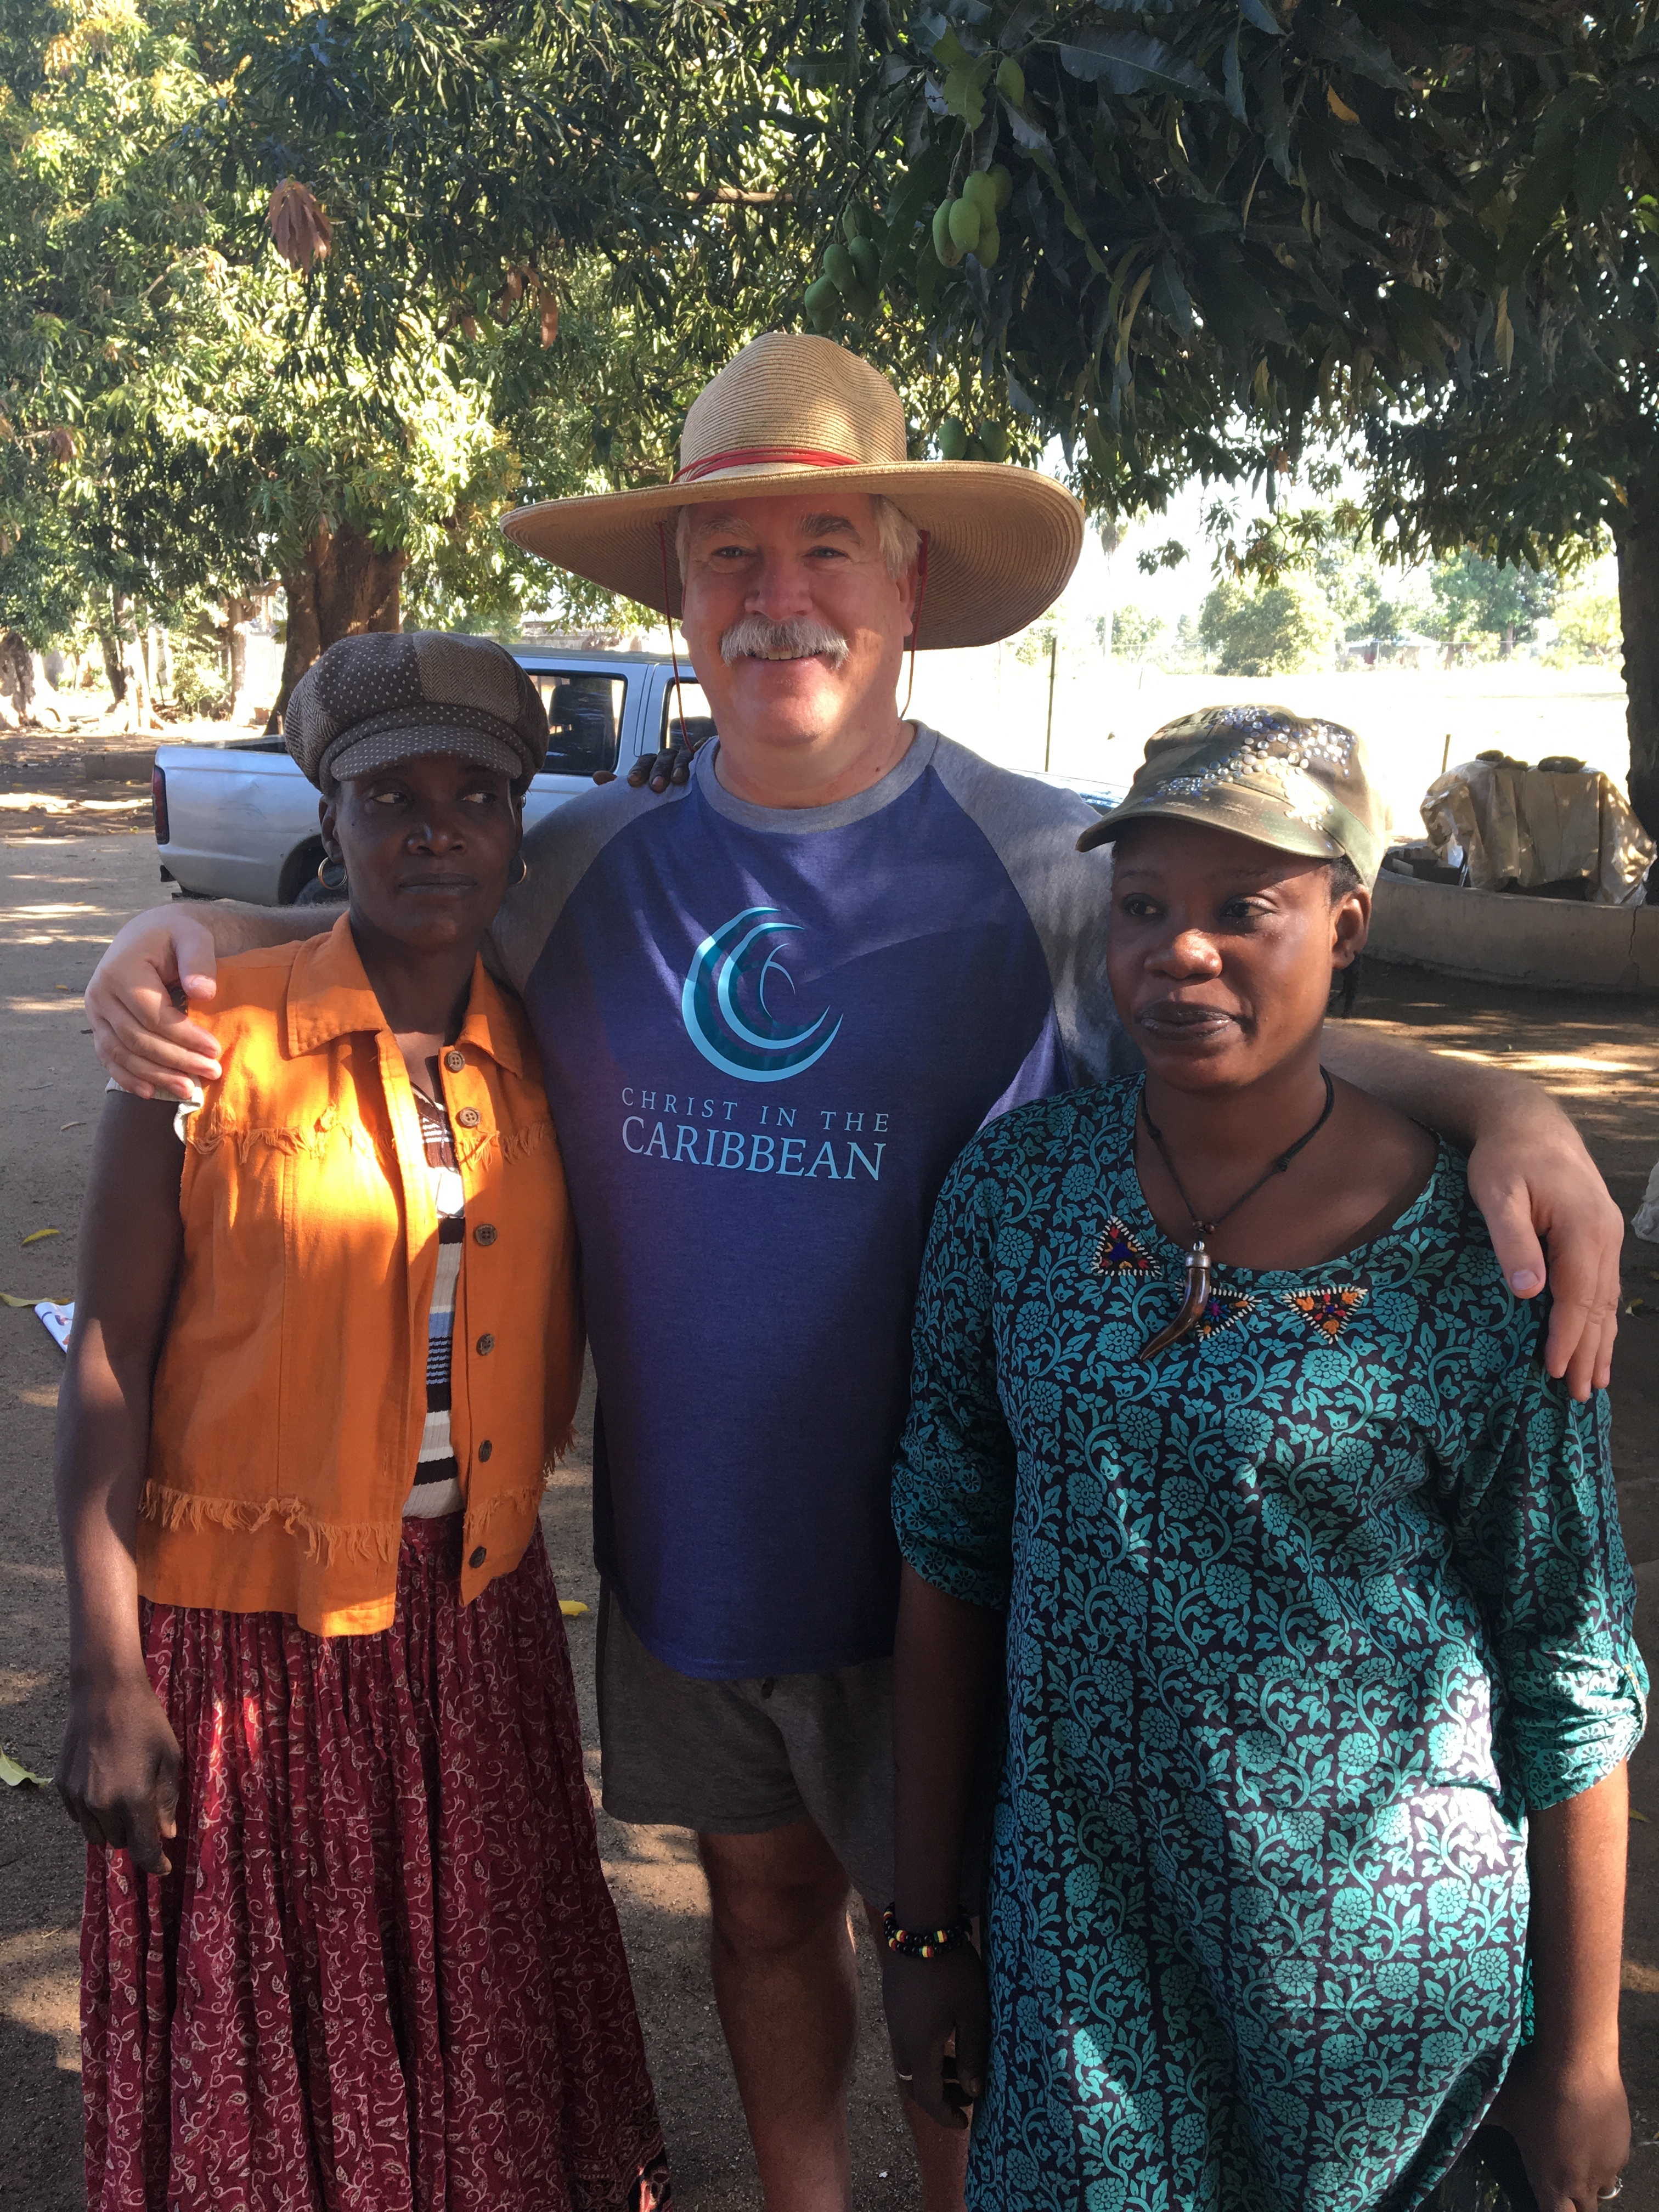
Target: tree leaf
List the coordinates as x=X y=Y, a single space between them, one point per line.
x=1336 y=35
x=14 y=1774
x=1023 y=132
x=964 y=95
x=1565 y=113
x=1538 y=203
x=1232 y=81
x=1268 y=80
x=1130 y=62
x=1503 y=331
x=1254 y=11
x=1169 y=295
x=1596 y=167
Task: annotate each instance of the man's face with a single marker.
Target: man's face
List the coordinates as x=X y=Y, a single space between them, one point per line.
x=796 y=629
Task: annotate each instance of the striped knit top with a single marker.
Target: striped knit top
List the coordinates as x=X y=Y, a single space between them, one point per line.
x=437 y=1488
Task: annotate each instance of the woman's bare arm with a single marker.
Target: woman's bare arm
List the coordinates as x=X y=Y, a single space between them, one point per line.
x=117 y=1771
x=1564 y=2102
x=945 y=1675
x=141 y=1028
x=1530 y=1176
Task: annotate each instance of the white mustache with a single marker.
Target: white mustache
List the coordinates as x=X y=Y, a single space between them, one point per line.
x=754 y=638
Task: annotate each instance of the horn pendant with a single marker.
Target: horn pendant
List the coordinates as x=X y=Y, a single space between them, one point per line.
x=1192 y=1306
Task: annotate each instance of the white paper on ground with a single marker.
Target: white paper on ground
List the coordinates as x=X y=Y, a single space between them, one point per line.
x=1645 y=1219
x=57 y=1320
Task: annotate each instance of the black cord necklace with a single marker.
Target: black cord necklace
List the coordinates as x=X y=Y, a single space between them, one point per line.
x=1197 y=1253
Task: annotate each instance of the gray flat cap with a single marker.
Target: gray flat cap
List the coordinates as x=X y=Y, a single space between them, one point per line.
x=391 y=696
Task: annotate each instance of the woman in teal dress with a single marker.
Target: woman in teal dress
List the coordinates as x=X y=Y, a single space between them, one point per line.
x=1230 y=1442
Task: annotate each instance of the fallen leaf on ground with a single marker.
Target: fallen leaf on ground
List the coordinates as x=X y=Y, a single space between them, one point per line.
x=12 y=1774
x=1642 y=1817
x=36 y=1235
x=11 y=1299
x=62 y=1126
x=570 y=1607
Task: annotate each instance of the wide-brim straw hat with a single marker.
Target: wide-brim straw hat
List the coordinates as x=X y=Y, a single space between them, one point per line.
x=791 y=411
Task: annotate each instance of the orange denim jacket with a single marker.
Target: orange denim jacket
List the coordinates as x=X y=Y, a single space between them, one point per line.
x=290 y=1394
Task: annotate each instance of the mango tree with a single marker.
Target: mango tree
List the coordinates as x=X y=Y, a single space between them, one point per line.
x=1227 y=232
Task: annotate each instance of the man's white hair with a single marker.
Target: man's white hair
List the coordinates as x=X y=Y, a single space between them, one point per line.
x=896 y=535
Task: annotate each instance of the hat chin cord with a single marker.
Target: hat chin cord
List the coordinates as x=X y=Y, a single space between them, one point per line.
x=915 y=620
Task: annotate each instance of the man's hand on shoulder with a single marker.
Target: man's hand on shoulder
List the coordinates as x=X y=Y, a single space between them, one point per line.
x=137 y=999
x=1529 y=1174
x=671 y=765
x=1539 y=1188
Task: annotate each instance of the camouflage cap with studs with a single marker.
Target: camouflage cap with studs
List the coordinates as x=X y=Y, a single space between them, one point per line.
x=1298 y=784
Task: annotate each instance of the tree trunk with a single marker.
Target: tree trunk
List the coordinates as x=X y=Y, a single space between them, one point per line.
x=239 y=613
x=1637 y=539
x=16 y=681
x=343 y=588
x=45 y=704
x=123 y=648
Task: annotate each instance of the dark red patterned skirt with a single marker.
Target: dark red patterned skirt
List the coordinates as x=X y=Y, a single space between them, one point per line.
x=384 y=1974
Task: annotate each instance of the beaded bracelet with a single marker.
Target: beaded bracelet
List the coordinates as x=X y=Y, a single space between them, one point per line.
x=926 y=1942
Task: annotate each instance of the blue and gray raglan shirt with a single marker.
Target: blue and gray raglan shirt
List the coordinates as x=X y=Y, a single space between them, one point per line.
x=766 y=1035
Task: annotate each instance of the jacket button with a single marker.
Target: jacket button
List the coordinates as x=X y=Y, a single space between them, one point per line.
x=469 y=1117
x=478 y=1557
x=485 y=1233
x=485 y=1449
x=486 y=1343
x=455 y=1061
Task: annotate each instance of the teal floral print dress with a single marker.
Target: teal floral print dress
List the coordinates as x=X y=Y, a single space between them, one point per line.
x=1303 y=1617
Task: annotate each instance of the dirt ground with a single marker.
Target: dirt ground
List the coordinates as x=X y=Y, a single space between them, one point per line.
x=62 y=890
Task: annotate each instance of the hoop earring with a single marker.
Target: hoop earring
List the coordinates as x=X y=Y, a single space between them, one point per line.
x=336 y=881
x=523 y=870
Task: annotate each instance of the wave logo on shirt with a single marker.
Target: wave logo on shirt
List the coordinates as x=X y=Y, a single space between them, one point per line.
x=725 y=1002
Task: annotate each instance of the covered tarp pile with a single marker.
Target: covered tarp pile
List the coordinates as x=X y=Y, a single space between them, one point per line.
x=1527 y=826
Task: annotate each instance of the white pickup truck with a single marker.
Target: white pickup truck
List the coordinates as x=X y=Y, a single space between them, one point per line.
x=239 y=821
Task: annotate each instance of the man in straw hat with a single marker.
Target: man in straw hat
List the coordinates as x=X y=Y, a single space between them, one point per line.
x=772 y=1005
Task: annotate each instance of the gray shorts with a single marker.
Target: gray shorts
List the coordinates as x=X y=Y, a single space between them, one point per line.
x=735 y=1759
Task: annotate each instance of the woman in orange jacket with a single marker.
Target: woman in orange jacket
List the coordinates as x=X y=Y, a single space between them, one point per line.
x=346 y=1940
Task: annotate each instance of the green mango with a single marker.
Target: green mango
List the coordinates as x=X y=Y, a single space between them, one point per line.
x=1005 y=187
x=839 y=269
x=867 y=262
x=1010 y=81
x=964 y=224
x=823 y=303
x=981 y=188
x=944 y=245
x=863 y=304
x=990 y=243
x=994 y=442
x=952 y=440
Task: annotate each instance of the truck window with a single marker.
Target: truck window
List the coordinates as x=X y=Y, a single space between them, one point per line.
x=584 y=713
x=699 y=722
